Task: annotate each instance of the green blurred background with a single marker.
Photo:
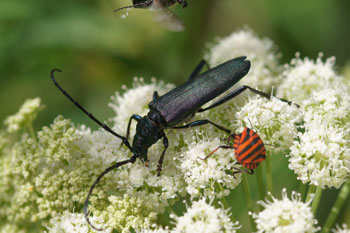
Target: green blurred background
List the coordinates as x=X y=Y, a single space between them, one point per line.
x=99 y=52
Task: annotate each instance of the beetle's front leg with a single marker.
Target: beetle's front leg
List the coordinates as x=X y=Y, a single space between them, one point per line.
x=161 y=159
x=133 y=117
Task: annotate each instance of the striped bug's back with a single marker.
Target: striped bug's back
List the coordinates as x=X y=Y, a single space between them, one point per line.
x=249 y=149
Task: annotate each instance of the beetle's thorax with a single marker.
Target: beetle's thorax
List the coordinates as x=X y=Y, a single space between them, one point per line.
x=147 y=133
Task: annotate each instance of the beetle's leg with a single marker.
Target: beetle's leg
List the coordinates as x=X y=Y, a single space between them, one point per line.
x=133 y=117
x=217 y=148
x=104 y=126
x=198 y=69
x=161 y=159
x=203 y=122
x=238 y=91
x=137 y=5
x=155 y=95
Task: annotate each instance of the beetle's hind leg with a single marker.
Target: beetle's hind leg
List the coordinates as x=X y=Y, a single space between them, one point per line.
x=203 y=122
x=198 y=69
x=238 y=91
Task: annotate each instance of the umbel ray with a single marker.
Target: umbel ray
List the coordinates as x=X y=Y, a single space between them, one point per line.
x=173 y=108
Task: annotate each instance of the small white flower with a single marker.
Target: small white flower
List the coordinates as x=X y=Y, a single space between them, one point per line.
x=274 y=121
x=321 y=156
x=205 y=218
x=261 y=53
x=212 y=177
x=285 y=216
x=73 y=223
x=343 y=229
x=25 y=116
x=305 y=76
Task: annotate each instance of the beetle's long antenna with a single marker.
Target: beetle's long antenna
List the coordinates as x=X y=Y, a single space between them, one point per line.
x=143 y=4
x=124 y=139
x=86 y=203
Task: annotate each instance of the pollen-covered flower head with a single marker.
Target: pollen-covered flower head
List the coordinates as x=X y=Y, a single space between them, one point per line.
x=274 y=121
x=321 y=156
x=305 y=76
x=25 y=116
x=286 y=215
x=205 y=218
x=212 y=177
x=260 y=51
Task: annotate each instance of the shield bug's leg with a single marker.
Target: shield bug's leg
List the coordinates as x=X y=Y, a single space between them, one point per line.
x=198 y=69
x=217 y=148
x=248 y=171
x=203 y=122
x=238 y=91
x=161 y=159
x=104 y=126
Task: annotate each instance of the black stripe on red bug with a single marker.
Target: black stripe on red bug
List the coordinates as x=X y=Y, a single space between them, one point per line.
x=249 y=150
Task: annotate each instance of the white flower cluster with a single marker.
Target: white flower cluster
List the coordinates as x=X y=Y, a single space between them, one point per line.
x=262 y=54
x=321 y=156
x=275 y=122
x=305 y=76
x=73 y=223
x=25 y=116
x=341 y=229
x=203 y=217
x=286 y=215
x=212 y=177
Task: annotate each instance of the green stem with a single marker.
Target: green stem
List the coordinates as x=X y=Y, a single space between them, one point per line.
x=342 y=196
x=224 y=201
x=249 y=200
x=261 y=185
x=269 y=182
x=316 y=200
x=32 y=132
x=302 y=189
x=310 y=192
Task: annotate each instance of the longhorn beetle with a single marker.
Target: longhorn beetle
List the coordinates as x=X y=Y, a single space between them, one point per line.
x=164 y=16
x=173 y=108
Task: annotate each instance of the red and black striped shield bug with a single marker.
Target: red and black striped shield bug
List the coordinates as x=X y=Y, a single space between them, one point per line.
x=249 y=149
x=163 y=15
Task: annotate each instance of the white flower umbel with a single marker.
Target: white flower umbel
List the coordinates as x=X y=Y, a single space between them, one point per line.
x=341 y=229
x=305 y=76
x=25 y=116
x=285 y=216
x=321 y=156
x=205 y=218
x=212 y=177
x=135 y=101
x=274 y=121
x=260 y=51
x=73 y=223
